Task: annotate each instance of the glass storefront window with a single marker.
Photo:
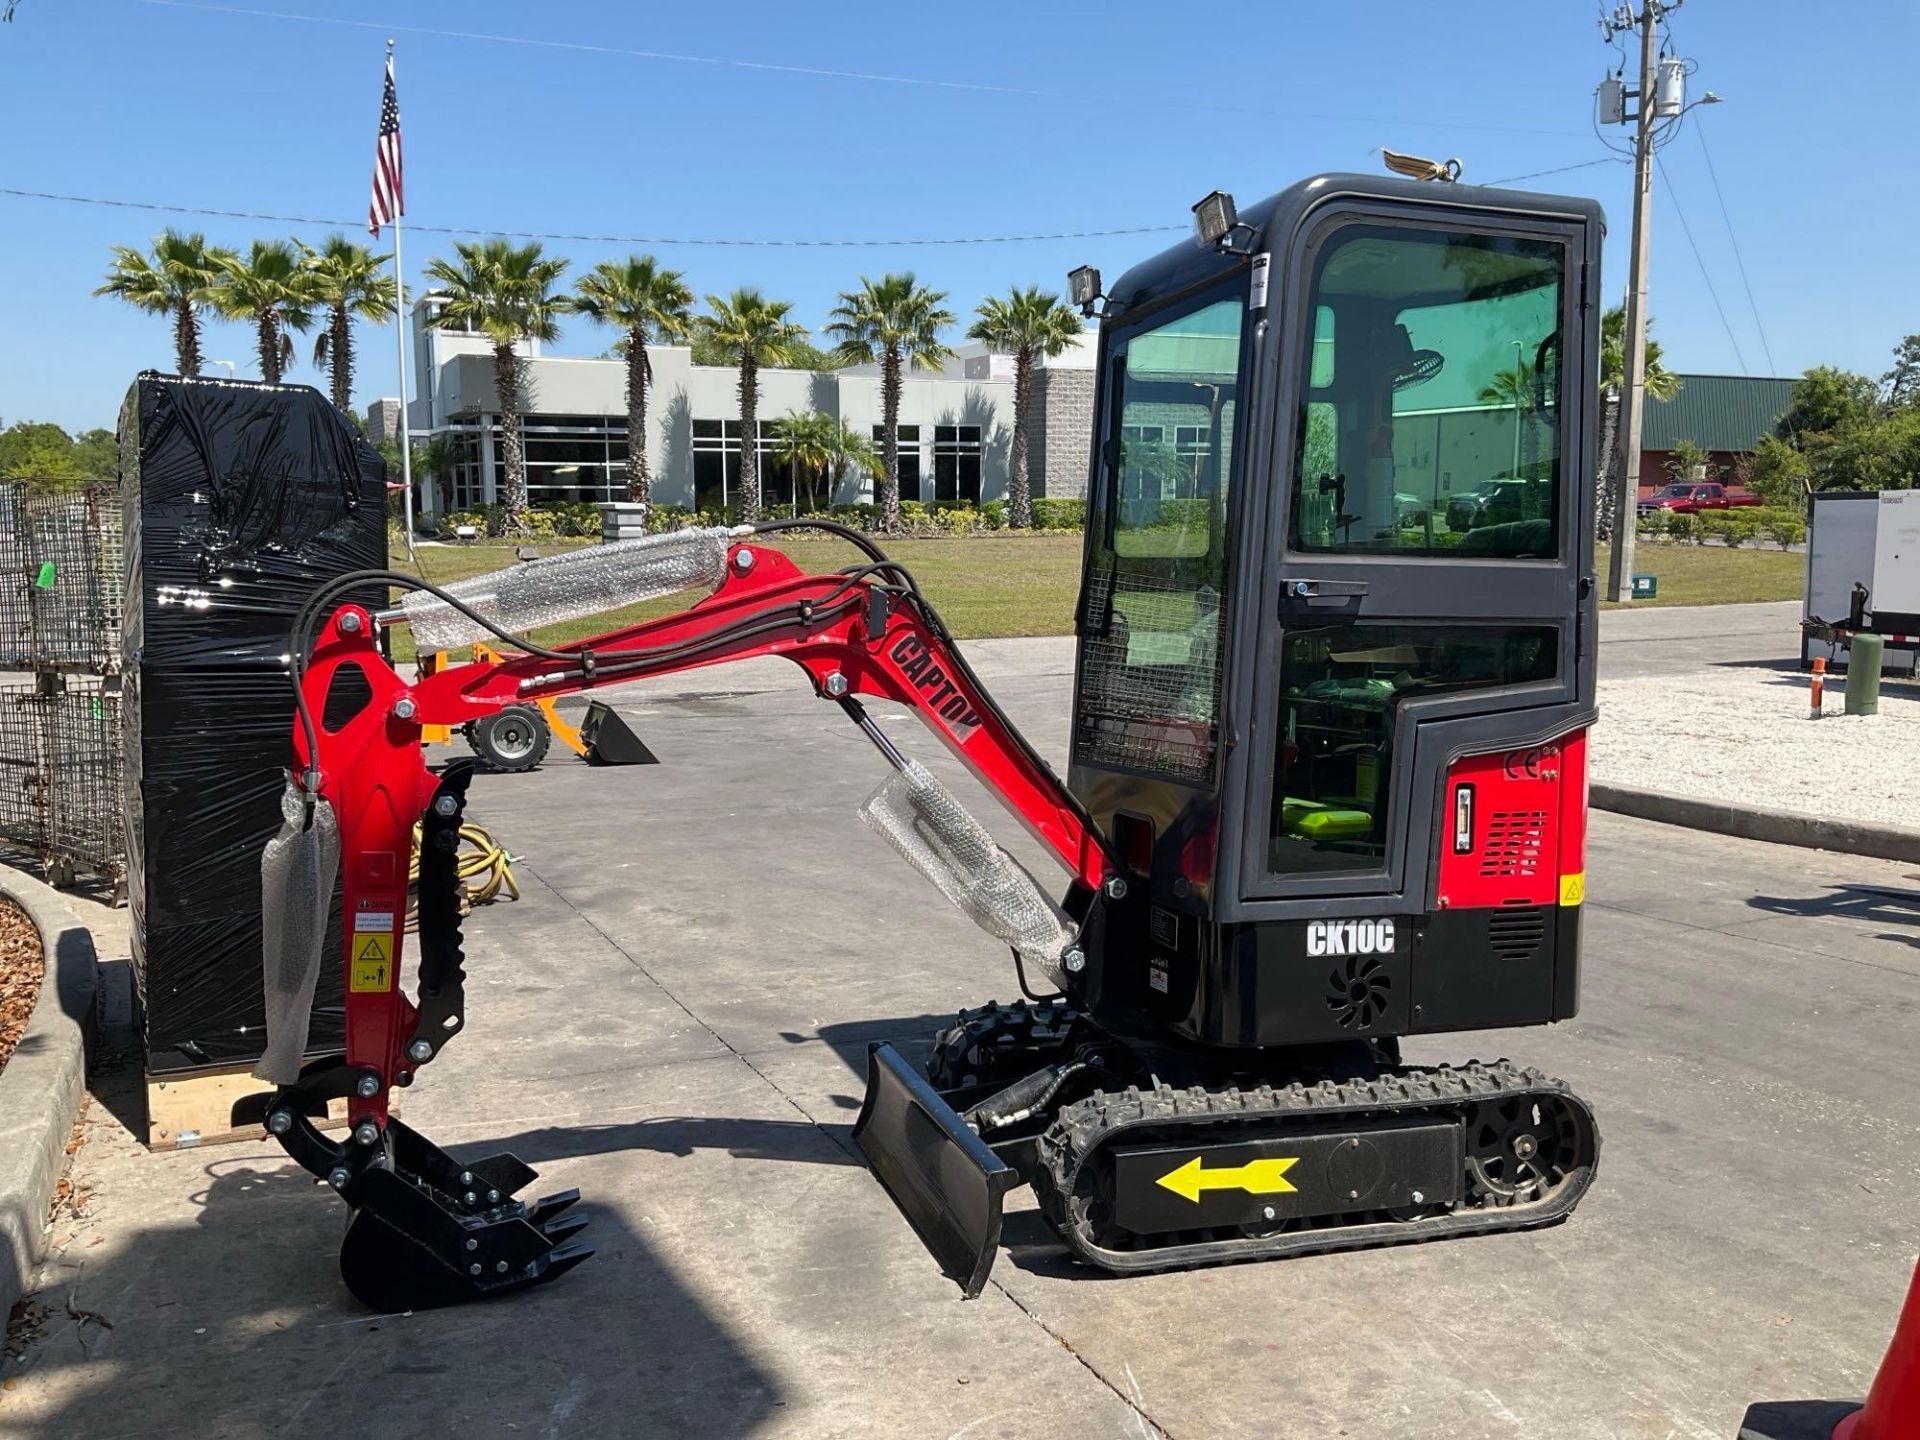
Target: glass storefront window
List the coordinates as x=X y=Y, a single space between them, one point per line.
x=956 y=463
x=909 y=443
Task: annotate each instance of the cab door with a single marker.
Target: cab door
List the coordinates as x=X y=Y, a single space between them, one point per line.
x=1427 y=551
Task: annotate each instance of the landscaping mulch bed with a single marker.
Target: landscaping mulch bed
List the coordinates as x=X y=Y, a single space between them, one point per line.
x=21 y=967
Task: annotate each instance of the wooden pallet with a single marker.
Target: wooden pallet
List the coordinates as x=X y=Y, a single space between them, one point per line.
x=184 y=1111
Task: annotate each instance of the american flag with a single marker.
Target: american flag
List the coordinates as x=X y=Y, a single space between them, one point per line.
x=388 y=201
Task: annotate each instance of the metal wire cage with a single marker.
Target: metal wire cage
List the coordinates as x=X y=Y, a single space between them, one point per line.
x=23 y=771
x=72 y=563
x=61 y=577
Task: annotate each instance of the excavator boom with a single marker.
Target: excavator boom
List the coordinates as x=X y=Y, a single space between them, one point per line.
x=429 y=1230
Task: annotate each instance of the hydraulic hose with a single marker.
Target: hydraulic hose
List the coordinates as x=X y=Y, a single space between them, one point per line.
x=484 y=869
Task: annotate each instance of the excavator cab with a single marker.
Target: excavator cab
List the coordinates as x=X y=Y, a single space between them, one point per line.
x=1335 y=643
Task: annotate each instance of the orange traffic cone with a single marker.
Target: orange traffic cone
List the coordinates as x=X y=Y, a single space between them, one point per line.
x=1892 y=1411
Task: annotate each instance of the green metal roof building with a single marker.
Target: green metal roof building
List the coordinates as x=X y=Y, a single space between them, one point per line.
x=1724 y=413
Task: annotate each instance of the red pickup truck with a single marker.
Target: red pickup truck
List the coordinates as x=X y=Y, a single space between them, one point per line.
x=1693 y=497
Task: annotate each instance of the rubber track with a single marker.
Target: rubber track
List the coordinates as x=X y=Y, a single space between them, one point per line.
x=1084 y=1127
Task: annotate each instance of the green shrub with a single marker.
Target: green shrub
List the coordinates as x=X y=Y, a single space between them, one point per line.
x=1786 y=532
x=1654 y=525
x=487 y=519
x=864 y=516
x=679 y=517
x=1683 y=528
x=1732 y=528
x=1059 y=514
x=572 y=518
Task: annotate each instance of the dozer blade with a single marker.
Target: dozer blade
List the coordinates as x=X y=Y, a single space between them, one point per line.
x=943 y=1176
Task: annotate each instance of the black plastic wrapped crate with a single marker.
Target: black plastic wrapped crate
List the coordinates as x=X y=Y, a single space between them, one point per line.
x=240 y=499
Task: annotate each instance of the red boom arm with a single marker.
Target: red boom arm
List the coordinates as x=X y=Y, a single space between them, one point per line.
x=854 y=634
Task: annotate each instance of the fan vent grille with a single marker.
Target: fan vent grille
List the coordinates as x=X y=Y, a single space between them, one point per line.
x=1516 y=934
x=1515 y=839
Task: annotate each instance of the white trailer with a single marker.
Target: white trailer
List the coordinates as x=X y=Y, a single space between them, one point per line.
x=1863 y=573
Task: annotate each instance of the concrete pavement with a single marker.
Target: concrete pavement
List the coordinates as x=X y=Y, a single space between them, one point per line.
x=1679 y=639
x=675 y=1019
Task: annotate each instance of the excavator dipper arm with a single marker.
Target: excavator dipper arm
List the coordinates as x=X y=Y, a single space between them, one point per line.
x=428 y=1229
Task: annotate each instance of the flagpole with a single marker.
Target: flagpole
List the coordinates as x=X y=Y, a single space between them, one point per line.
x=400 y=345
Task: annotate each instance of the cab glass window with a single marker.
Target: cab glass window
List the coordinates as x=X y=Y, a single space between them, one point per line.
x=1340 y=690
x=1152 y=609
x=1431 y=421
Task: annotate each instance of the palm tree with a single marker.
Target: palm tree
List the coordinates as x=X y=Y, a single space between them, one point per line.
x=896 y=322
x=505 y=292
x=847 y=446
x=349 y=282
x=1512 y=389
x=1661 y=384
x=438 y=457
x=647 y=303
x=270 y=286
x=1029 y=325
x=803 y=441
x=173 y=280
x=754 y=331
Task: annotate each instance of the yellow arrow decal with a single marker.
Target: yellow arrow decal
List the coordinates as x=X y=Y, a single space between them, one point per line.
x=1256 y=1177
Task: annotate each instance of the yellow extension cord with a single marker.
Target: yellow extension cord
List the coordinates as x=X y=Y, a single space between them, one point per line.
x=485 y=870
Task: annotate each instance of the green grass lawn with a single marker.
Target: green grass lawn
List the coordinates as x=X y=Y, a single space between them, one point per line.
x=985 y=585
x=991 y=585
x=1714 y=575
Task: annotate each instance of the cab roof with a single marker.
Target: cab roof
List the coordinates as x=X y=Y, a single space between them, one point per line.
x=1191 y=263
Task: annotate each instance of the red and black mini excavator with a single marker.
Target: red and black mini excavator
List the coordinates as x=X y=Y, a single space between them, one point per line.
x=1335 y=668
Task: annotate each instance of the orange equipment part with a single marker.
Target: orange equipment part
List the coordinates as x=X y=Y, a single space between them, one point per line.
x=1892 y=1411
x=566 y=733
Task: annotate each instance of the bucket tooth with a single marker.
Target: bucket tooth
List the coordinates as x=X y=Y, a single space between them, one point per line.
x=557 y=1263
x=559 y=1228
x=548 y=1206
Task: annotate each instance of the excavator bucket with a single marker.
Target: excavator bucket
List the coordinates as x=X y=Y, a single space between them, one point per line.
x=429 y=1231
x=610 y=740
x=945 y=1179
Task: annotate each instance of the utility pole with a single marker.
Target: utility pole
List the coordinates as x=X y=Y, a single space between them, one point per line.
x=1634 y=382
x=1662 y=102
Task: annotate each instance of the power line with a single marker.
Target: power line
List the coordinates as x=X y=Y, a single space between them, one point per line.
x=708 y=241
x=1687 y=230
x=867 y=76
x=1560 y=169
x=704 y=240
x=1701 y=131
x=583 y=46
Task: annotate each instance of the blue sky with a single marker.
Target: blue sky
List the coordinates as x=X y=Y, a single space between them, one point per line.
x=1052 y=117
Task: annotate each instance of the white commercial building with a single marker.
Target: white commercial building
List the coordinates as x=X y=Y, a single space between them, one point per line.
x=956 y=425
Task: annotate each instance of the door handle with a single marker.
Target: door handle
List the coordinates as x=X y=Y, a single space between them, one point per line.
x=1322 y=589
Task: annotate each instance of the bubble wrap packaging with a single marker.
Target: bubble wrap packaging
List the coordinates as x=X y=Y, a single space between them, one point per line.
x=567 y=586
x=297 y=871
x=933 y=832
